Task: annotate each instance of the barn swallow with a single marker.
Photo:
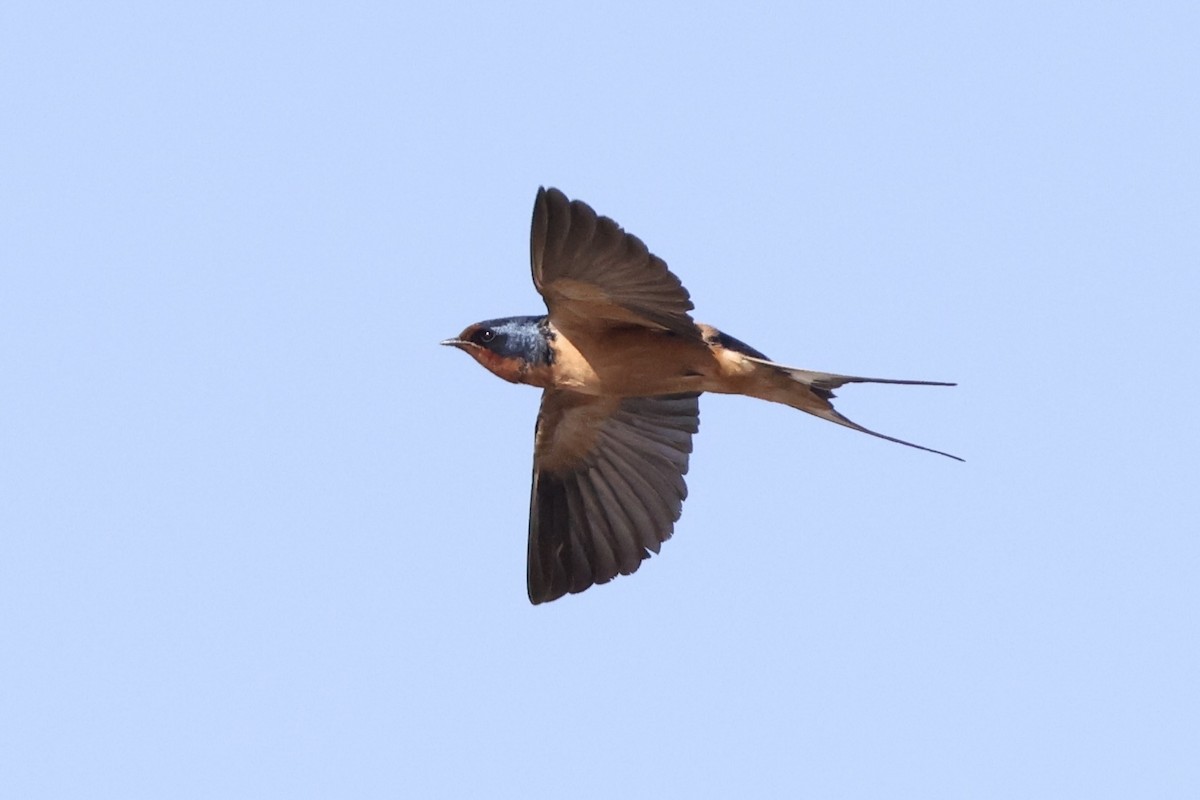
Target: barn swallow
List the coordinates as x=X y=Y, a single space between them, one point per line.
x=621 y=364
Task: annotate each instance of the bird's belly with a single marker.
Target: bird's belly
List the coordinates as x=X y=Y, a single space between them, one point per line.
x=634 y=363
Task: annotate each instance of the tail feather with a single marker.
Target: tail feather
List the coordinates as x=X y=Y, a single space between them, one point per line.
x=816 y=393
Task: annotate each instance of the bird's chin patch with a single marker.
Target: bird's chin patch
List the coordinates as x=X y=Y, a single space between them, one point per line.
x=510 y=369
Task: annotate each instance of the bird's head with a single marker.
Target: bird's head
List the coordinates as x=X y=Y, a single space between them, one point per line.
x=512 y=347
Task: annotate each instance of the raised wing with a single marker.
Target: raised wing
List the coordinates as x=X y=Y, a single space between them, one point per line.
x=592 y=273
x=607 y=486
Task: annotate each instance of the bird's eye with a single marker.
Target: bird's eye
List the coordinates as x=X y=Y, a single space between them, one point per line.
x=485 y=335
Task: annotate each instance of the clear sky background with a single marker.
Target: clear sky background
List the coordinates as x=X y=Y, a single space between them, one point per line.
x=260 y=536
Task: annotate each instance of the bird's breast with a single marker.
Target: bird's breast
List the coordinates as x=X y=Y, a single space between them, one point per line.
x=628 y=362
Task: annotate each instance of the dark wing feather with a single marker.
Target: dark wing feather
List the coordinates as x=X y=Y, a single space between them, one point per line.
x=592 y=273
x=607 y=486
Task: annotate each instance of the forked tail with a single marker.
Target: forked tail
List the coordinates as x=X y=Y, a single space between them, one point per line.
x=813 y=392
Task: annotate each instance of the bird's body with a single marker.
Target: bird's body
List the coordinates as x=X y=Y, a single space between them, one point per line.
x=622 y=364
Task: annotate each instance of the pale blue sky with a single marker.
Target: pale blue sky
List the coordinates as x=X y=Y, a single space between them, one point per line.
x=261 y=537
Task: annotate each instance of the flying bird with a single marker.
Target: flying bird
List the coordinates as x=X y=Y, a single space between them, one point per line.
x=622 y=365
